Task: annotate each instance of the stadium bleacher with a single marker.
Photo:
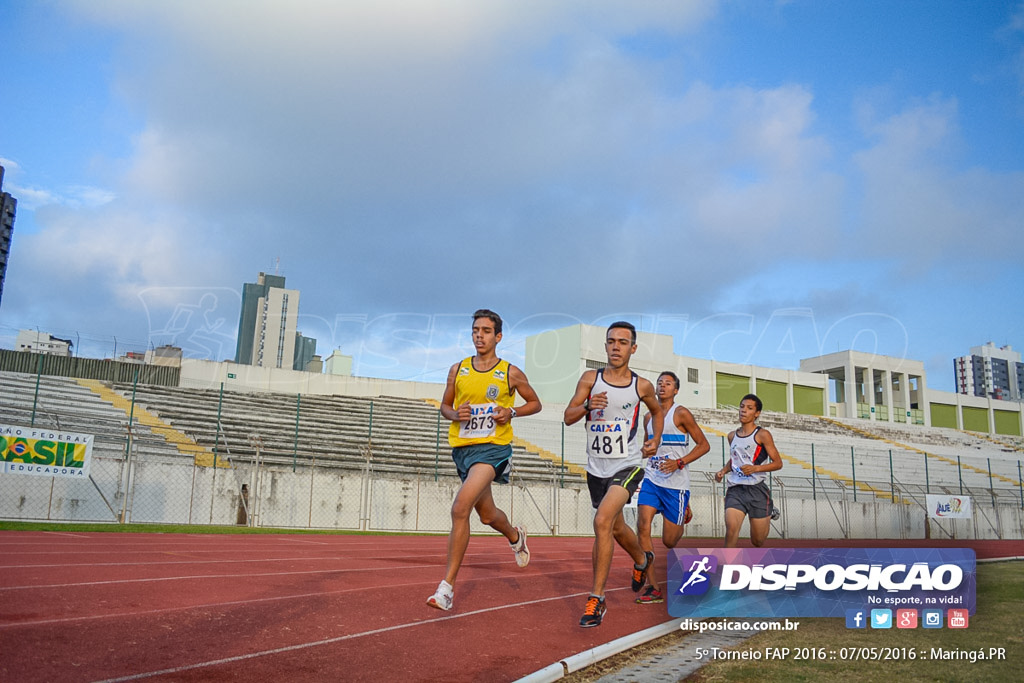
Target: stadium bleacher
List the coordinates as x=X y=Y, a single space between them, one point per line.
x=853 y=460
x=389 y=434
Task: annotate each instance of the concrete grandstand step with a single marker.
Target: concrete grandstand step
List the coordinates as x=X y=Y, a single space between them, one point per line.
x=379 y=431
x=137 y=414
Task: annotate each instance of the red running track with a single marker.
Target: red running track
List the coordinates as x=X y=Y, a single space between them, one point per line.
x=174 y=607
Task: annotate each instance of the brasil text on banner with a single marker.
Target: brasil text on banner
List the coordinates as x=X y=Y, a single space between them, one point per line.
x=816 y=582
x=44 y=452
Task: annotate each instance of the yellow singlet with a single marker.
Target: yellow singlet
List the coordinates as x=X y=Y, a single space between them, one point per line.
x=485 y=391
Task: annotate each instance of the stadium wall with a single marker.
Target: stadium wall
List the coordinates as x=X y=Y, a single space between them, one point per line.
x=976 y=413
x=204 y=374
x=1007 y=423
x=555 y=359
x=166 y=490
x=87 y=368
x=944 y=415
x=808 y=400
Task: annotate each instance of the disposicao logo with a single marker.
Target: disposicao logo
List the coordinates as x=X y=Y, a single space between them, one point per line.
x=823 y=582
x=696 y=580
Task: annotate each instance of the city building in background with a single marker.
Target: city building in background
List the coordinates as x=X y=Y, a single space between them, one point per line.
x=305 y=352
x=338 y=363
x=991 y=371
x=164 y=355
x=35 y=341
x=267 y=334
x=8 y=205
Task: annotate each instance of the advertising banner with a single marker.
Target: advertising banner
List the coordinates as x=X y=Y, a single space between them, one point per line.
x=44 y=452
x=817 y=582
x=949 y=507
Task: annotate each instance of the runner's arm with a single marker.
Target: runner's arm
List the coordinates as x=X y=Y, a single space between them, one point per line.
x=577 y=410
x=764 y=437
x=646 y=392
x=685 y=421
x=728 y=465
x=520 y=385
x=448 y=410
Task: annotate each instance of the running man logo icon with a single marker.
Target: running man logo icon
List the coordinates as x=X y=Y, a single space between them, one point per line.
x=695 y=580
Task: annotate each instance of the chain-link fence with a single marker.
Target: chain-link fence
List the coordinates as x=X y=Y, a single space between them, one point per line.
x=191 y=456
x=325 y=496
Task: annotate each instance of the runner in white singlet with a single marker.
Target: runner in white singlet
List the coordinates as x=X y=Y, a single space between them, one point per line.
x=610 y=399
x=666 y=484
x=752 y=454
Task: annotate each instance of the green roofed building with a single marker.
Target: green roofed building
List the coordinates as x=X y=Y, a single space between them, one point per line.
x=846 y=384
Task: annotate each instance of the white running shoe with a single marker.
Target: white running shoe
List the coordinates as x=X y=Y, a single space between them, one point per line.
x=442 y=597
x=520 y=549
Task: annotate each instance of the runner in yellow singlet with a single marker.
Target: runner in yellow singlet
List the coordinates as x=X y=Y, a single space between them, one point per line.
x=479 y=400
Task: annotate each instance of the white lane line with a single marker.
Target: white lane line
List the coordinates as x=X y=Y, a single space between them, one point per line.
x=208 y=605
x=300 y=558
x=150 y=550
x=193 y=577
x=332 y=558
x=330 y=641
x=230 y=603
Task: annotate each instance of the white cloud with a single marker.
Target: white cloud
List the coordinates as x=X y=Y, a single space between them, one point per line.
x=31 y=198
x=110 y=252
x=920 y=206
x=426 y=158
x=386 y=133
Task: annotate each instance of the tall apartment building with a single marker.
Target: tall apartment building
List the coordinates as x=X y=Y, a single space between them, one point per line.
x=266 y=325
x=305 y=352
x=8 y=205
x=991 y=371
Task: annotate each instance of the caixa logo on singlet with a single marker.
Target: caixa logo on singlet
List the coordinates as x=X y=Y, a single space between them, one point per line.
x=696 y=569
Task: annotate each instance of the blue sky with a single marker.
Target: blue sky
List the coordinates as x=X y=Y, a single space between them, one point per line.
x=764 y=181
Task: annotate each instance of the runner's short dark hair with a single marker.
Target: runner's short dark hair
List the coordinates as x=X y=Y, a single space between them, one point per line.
x=624 y=325
x=755 y=399
x=490 y=315
x=674 y=376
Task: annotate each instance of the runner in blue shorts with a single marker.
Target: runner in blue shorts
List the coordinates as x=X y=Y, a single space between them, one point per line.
x=666 y=484
x=752 y=454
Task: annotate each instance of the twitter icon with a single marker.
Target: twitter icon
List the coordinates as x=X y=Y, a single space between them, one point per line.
x=881 y=618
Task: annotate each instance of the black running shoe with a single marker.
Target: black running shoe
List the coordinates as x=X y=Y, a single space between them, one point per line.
x=593 y=613
x=640 y=573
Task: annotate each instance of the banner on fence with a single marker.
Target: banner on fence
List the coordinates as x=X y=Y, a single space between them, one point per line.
x=44 y=452
x=817 y=582
x=949 y=507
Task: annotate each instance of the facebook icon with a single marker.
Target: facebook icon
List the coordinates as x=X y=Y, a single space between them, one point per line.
x=855 y=618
